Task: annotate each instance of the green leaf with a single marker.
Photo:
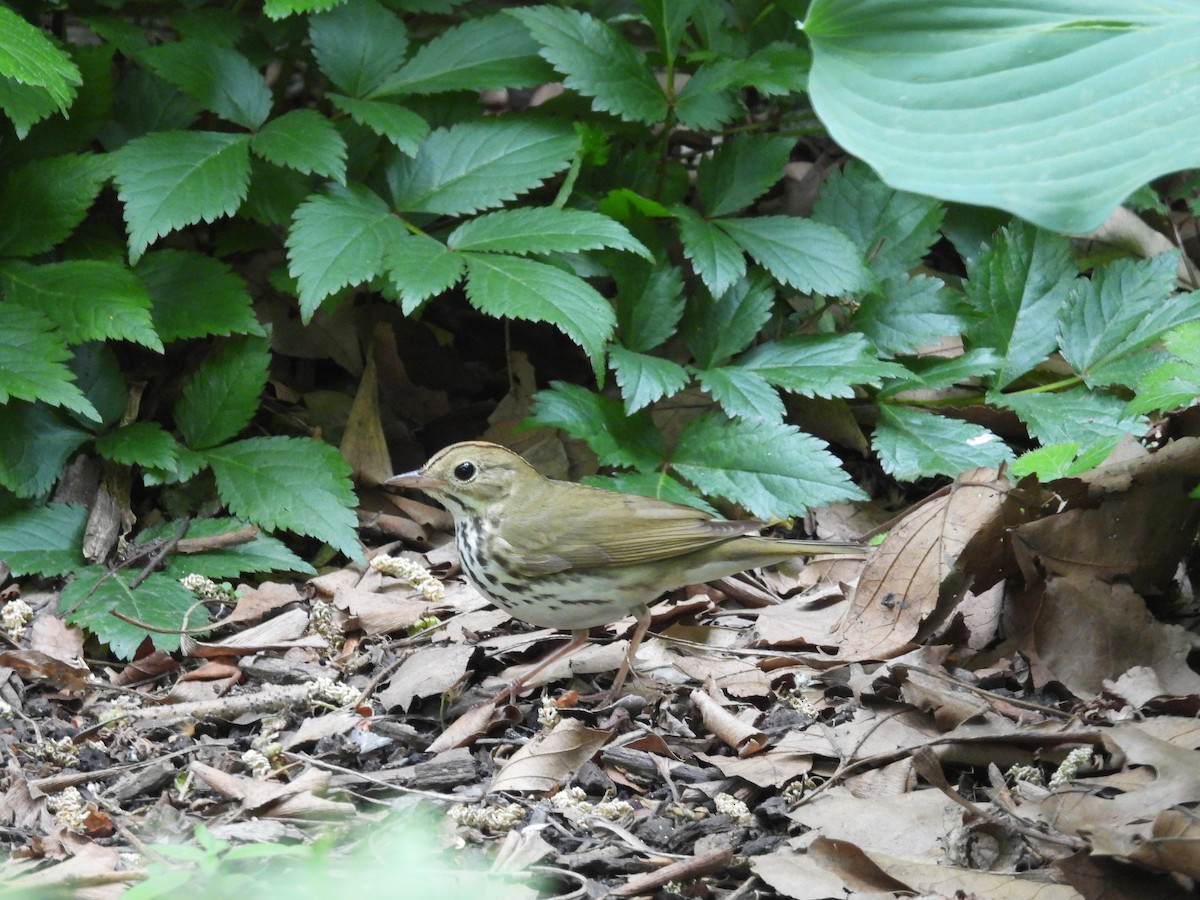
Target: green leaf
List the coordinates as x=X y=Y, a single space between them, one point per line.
x=936 y=373
x=644 y=379
x=89 y=300
x=717 y=327
x=32 y=363
x=38 y=442
x=44 y=540
x=403 y=127
x=217 y=77
x=194 y=295
x=649 y=303
x=909 y=312
x=171 y=179
x=543 y=230
x=489 y=52
x=358 y=45
x=517 y=288
x=1124 y=307
x=740 y=172
x=914 y=444
x=281 y=9
x=263 y=554
x=1047 y=463
x=144 y=103
x=771 y=470
x=668 y=19
x=659 y=485
x=742 y=393
x=820 y=365
x=420 y=267
x=892 y=228
x=1177 y=381
x=303 y=140
x=297 y=484
x=478 y=165
x=188 y=464
x=597 y=62
x=45 y=199
x=25 y=105
x=1017 y=287
x=776 y=70
x=706 y=100
x=29 y=58
x=716 y=257
x=1077 y=415
x=139 y=443
x=801 y=253
x=338 y=239
x=159 y=602
x=98 y=373
x=1068 y=108
x=222 y=395
x=617 y=439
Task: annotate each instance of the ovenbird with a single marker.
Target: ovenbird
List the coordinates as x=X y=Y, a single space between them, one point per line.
x=563 y=555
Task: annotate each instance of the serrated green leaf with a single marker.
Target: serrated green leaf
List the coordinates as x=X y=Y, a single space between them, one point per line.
x=936 y=373
x=403 y=127
x=807 y=255
x=217 y=77
x=281 y=9
x=139 y=443
x=142 y=104
x=89 y=300
x=1176 y=382
x=1125 y=306
x=659 y=485
x=37 y=443
x=222 y=395
x=29 y=58
x=338 y=239
x=892 y=228
x=45 y=199
x=915 y=444
x=1017 y=287
x=262 y=554
x=1047 y=463
x=617 y=439
x=509 y=286
x=99 y=375
x=668 y=19
x=644 y=379
x=188 y=464
x=597 y=61
x=490 y=52
x=771 y=470
x=303 y=140
x=358 y=45
x=740 y=172
x=25 y=105
x=1077 y=415
x=706 y=101
x=543 y=230
x=776 y=69
x=44 y=540
x=820 y=365
x=194 y=295
x=171 y=179
x=32 y=363
x=716 y=257
x=159 y=602
x=715 y=328
x=275 y=194
x=649 y=303
x=420 y=267
x=742 y=393
x=909 y=312
x=296 y=484
x=478 y=165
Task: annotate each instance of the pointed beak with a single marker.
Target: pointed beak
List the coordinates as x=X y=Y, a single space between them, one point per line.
x=415 y=479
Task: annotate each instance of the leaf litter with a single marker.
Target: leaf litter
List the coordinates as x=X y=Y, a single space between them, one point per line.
x=999 y=701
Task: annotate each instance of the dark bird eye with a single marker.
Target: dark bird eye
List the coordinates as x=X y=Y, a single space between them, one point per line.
x=464 y=471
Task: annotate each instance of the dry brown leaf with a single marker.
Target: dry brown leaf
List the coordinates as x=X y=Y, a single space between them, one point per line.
x=912 y=825
x=950 y=881
x=253 y=604
x=774 y=768
x=549 y=759
x=278 y=633
x=950 y=704
x=374 y=613
x=735 y=677
x=363 y=444
x=909 y=578
x=473 y=724
x=54 y=637
x=33 y=665
x=744 y=739
x=427 y=673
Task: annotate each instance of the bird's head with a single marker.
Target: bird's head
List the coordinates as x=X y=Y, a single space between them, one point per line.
x=471 y=478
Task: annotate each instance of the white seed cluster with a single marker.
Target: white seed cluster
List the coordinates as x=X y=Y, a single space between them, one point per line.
x=68 y=807
x=1027 y=774
x=488 y=818
x=799 y=702
x=258 y=763
x=548 y=714
x=576 y=798
x=332 y=691
x=415 y=574
x=207 y=589
x=15 y=616
x=1067 y=772
x=736 y=809
x=322 y=623
x=60 y=751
